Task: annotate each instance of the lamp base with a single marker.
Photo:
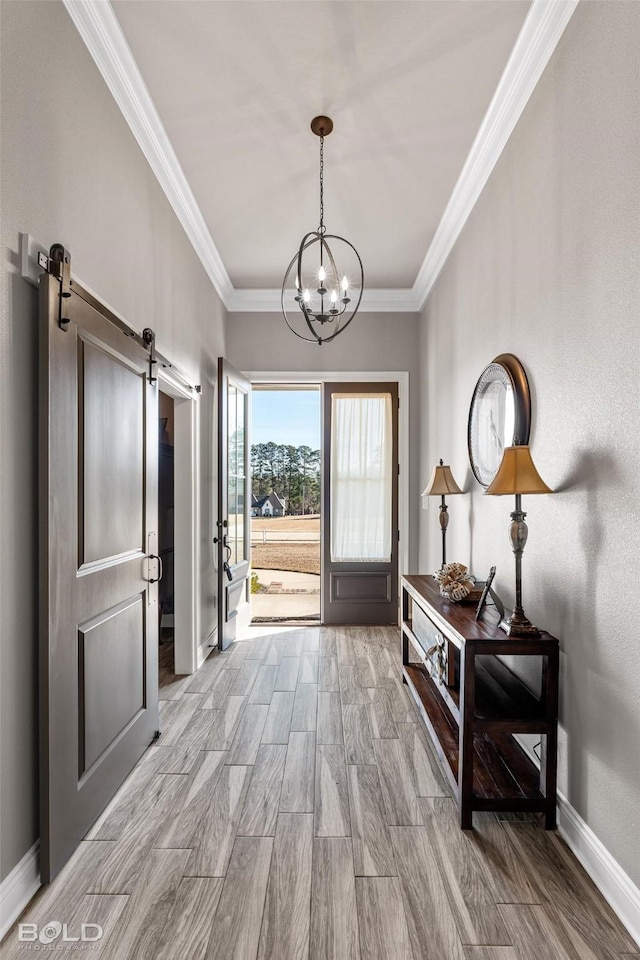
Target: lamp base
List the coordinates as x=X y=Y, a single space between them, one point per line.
x=517 y=625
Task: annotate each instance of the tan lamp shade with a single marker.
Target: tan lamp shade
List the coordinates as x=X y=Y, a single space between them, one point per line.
x=441 y=483
x=517 y=474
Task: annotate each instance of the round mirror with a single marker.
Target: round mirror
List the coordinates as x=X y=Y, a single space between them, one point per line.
x=499 y=416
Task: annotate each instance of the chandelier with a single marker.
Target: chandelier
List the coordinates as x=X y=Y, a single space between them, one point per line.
x=323 y=284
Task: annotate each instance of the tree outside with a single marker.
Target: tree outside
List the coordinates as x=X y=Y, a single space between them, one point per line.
x=291 y=472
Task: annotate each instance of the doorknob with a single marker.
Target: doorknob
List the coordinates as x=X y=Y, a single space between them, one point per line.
x=225 y=545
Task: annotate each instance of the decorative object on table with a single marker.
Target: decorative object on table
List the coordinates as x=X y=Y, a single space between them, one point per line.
x=323 y=284
x=518 y=475
x=437 y=657
x=487 y=591
x=442 y=484
x=499 y=415
x=455 y=581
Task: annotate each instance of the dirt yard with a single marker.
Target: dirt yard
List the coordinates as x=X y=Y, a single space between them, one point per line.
x=310 y=522
x=296 y=555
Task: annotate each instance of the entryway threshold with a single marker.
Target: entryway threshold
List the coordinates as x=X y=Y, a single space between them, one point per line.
x=288 y=621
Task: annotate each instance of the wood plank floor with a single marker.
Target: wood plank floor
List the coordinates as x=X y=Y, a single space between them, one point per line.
x=293 y=809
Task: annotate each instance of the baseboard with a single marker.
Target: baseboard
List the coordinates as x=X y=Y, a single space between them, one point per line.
x=611 y=880
x=18 y=888
x=206 y=646
x=614 y=884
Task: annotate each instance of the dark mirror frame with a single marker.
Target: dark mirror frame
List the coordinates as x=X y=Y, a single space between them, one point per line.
x=522 y=399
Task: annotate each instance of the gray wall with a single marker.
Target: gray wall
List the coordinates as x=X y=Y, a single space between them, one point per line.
x=72 y=172
x=547 y=267
x=373 y=342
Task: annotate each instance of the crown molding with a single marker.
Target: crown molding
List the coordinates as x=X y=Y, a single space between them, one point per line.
x=538 y=38
x=98 y=26
x=373 y=301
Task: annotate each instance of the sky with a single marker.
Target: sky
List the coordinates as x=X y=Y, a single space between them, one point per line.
x=286 y=416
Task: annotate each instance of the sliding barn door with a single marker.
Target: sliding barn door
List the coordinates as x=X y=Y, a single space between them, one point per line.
x=99 y=566
x=360 y=500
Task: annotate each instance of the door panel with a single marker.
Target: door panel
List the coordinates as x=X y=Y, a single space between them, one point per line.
x=99 y=594
x=367 y=587
x=360 y=498
x=111 y=437
x=234 y=392
x=112 y=644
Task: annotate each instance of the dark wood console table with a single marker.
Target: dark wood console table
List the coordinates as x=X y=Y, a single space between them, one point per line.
x=475 y=704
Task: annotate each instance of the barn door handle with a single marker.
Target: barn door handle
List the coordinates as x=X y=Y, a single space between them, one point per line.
x=154 y=556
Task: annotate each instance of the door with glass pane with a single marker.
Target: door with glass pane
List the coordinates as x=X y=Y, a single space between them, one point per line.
x=360 y=500
x=232 y=537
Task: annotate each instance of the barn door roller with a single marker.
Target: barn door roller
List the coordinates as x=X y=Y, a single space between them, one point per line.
x=59 y=266
x=149 y=338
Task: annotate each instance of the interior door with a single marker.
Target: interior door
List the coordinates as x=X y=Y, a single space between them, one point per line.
x=233 y=537
x=360 y=501
x=99 y=574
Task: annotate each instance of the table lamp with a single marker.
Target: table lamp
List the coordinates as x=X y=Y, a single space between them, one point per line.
x=442 y=483
x=517 y=474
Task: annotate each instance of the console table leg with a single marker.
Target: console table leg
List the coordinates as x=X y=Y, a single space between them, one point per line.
x=405 y=653
x=467 y=712
x=549 y=744
x=404 y=640
x=451 y=664
x=548 y=760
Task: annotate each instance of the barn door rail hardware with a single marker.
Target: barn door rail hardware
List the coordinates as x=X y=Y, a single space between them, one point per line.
x=149 y=338
x=58 y=265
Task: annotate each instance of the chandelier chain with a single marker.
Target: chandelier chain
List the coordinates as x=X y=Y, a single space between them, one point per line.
x=321 y=228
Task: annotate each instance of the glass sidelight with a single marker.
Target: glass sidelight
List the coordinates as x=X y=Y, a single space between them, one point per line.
x=237 y=474
x=233 y=502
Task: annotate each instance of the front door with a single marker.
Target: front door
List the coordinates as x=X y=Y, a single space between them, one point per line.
x=232 y=538
x=99 y=566
x=360 y=501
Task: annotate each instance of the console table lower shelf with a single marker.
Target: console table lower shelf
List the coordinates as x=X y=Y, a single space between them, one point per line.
x=472 y=703
x=504 y=778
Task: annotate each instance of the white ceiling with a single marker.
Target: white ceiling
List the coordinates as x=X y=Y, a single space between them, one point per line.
x=236 y=83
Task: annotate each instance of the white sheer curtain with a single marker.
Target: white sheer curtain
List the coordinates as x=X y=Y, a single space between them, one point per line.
x=361 y=477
